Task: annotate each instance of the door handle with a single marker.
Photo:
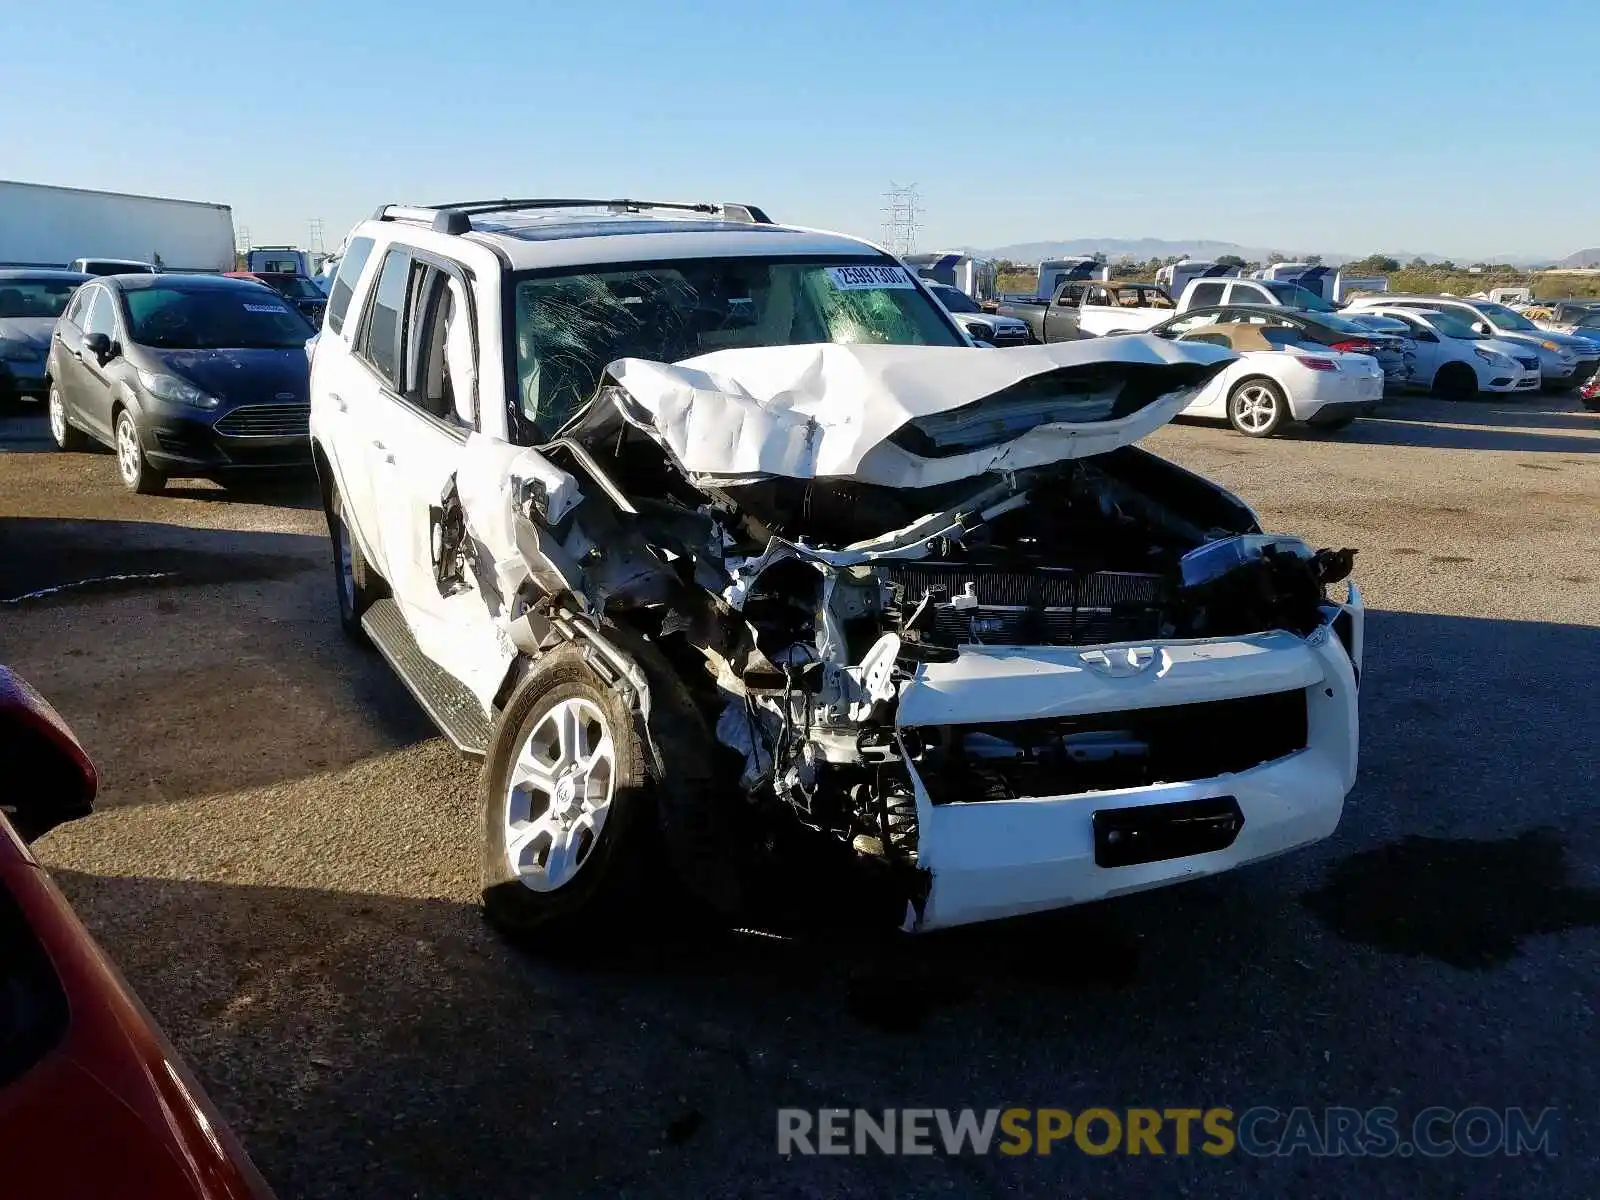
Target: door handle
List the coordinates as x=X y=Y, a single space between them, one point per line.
x=388 y=455
x=338 y=402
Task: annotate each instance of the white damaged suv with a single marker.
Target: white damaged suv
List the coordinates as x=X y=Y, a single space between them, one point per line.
x=732 y=558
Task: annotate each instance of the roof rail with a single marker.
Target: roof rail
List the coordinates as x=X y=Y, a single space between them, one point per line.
x=457 y=218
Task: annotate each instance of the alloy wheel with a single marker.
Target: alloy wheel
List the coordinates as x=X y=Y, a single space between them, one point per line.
x=1255 y=408
x=130 y=459
x=560 y=793
x=58 y=418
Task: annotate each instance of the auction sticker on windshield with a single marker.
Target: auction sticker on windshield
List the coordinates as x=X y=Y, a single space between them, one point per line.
x=858 y=279
x=265 y=308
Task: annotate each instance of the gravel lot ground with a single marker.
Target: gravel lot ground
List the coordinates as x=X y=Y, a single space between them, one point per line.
x=284 y=864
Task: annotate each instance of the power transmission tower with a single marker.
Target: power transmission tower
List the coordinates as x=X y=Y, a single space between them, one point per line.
x=900 y=215
x=315 y=246
x=243 y=237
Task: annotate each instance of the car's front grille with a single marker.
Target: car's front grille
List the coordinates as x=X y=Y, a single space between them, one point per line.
x=1066 y=756
x=1011 y=335
x=1042 y=607
x=267 y=420
x=1529 y=364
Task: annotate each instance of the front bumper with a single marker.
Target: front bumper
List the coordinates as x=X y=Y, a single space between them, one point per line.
x=991 y=859
x=179 y=440
x=1567 y=374
x=1329 y=395
x=1504 y=381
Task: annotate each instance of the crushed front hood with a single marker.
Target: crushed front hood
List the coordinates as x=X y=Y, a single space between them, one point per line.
x=816 y=411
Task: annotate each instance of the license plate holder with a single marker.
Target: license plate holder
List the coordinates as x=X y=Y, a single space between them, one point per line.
x=1126 y=837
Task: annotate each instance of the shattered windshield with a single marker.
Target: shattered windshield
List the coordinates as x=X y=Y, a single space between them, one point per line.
x=570 y=325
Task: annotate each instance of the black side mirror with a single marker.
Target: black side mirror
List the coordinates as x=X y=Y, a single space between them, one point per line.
x=99 y=345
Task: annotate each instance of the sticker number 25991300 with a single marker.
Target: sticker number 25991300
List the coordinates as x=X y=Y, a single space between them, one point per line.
x=871 y=275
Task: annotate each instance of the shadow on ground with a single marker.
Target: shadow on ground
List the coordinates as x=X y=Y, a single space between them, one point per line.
x=1554 y=424
x=193 y=661
x=379 y=1046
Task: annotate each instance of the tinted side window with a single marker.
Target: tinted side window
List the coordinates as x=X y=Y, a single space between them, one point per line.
x=75 y=310
x=102 y=316
x=380 y=341
x=1248 y=293
x=344 y=283
x=1206 y=293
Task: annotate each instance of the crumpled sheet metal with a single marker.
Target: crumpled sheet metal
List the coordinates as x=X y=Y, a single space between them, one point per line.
x=820 y=411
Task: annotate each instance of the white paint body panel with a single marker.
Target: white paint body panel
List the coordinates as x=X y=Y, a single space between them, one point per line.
x=1357 y=379
x=1024 y=683
x=825 y=410
x=996 y=859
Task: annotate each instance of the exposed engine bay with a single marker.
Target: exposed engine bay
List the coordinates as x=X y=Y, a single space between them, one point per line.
x=798 y=606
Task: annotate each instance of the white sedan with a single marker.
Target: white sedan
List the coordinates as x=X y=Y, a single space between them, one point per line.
x=1280 y=377
x=1457 y=362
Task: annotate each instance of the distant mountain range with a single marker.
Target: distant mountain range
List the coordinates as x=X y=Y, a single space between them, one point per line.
x=1582 y=258
x=1143 y=249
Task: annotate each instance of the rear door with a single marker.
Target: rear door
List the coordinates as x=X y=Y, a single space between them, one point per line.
x=67 y=344
x=421 y=339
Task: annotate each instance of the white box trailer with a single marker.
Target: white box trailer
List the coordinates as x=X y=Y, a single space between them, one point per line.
x=1055 y=271
x=46 y=226
x=977 y=277
x=1337 y=287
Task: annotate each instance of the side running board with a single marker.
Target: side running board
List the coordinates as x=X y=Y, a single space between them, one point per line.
x=453 y=708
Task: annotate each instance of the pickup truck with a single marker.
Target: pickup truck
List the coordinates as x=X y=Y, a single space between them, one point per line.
x=1082 y=308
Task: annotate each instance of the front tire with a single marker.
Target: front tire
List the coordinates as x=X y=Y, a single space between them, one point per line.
x=1257 y=407
x=1456 y=381
x=132 y=465
x=63 y=432
x=574 y=804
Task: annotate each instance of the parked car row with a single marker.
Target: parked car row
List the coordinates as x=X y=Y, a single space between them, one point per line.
x=1454 y=347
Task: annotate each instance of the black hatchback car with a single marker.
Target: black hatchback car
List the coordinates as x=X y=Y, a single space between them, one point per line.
x=196 y=375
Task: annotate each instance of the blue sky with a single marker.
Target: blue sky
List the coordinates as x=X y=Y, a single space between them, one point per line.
x=1462 y=127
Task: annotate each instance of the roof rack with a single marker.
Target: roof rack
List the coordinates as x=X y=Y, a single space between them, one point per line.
x=457 y=218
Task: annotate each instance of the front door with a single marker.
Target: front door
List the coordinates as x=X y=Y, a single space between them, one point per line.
x=93 y=402
x=425 y=413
